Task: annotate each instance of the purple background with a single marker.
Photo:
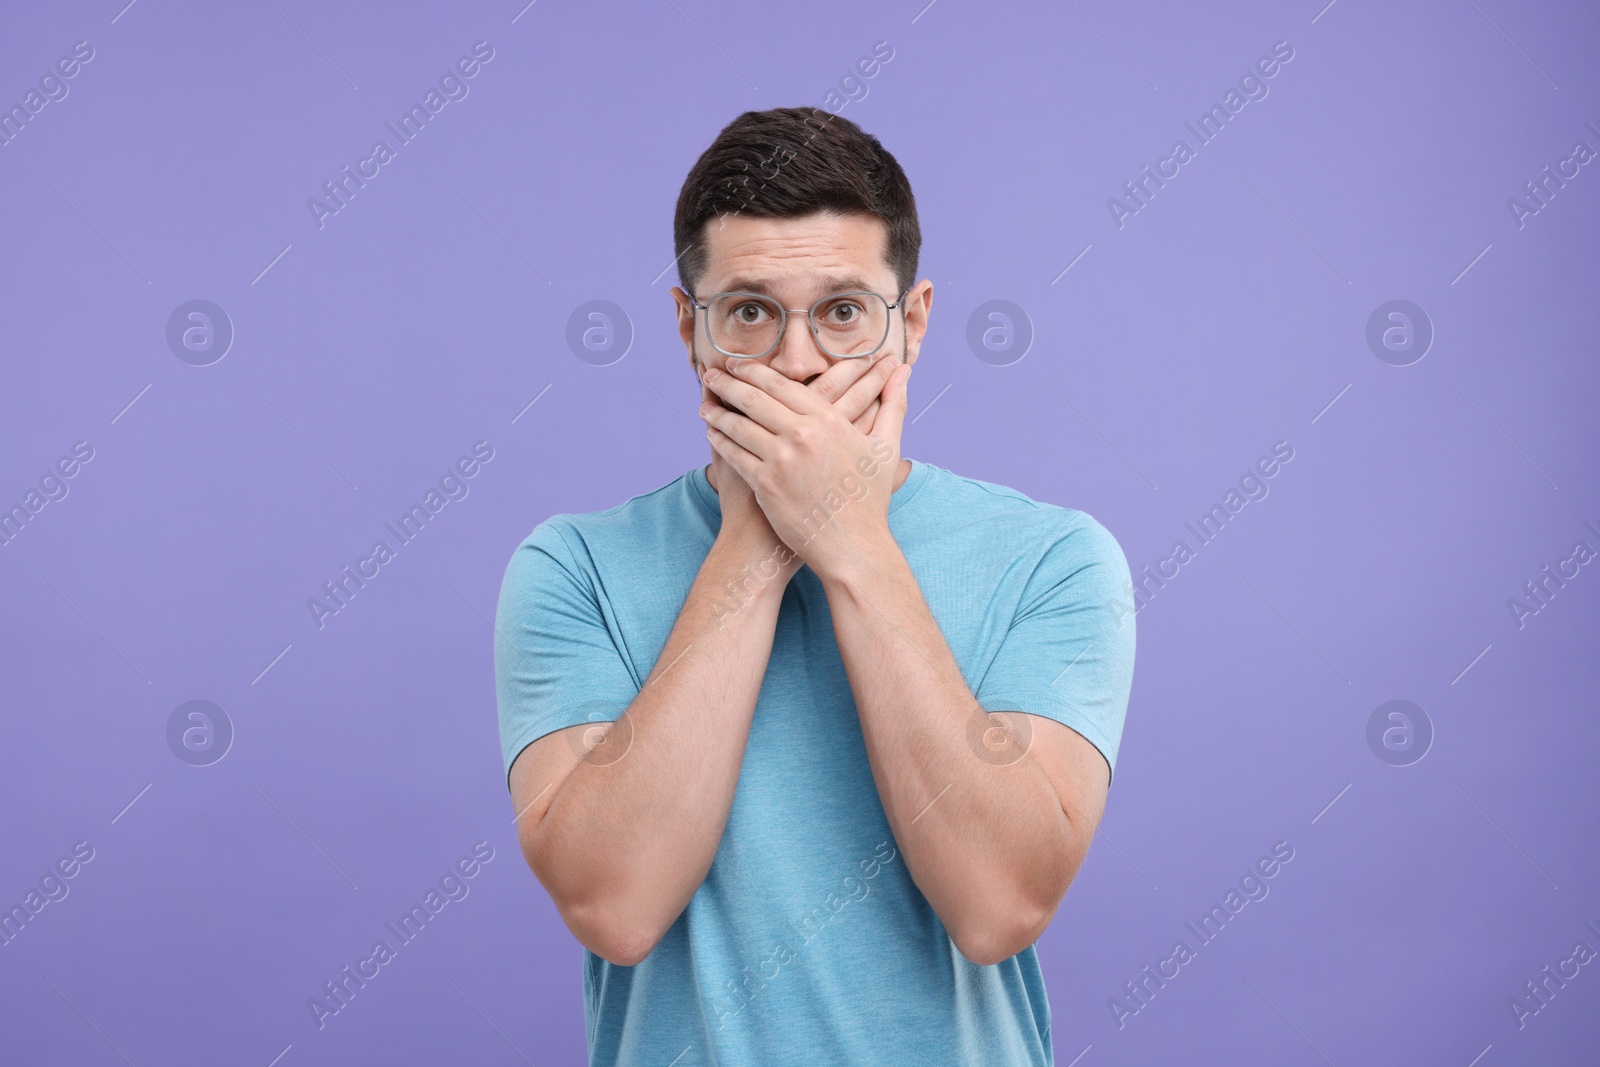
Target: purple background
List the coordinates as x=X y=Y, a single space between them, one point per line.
x=1228 y=314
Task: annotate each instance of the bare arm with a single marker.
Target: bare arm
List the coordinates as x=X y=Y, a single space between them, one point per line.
x=993 y=845
x=622 y=832
x=623 y=836
x=992 y=842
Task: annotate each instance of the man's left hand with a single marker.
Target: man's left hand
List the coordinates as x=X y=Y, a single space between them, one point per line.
x=823 y=484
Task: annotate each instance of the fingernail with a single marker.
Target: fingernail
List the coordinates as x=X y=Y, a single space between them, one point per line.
x=711 y=374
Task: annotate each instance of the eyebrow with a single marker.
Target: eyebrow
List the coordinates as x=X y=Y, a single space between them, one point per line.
x=765 y=286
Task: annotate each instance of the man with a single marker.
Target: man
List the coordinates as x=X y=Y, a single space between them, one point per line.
x=808 y=744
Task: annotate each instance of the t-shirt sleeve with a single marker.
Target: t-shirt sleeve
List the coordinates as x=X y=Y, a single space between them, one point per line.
x=1069 y=652
x=556 y=661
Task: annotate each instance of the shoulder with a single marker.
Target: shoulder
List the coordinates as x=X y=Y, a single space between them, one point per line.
x=576 y=540
x=1060 y=534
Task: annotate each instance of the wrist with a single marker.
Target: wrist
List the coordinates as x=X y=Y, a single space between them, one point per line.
x=749 y=566
x=858 y=573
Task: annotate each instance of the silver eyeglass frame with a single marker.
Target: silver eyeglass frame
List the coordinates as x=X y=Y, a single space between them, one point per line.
x=783 y=321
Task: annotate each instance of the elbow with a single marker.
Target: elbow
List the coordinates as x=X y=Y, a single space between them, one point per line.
x=608 y=927
x=1014 y=913
x=994 y=935
x=608 y=934
x=990 y=944
x=623 y=949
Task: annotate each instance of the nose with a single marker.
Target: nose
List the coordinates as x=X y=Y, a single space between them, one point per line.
x=797 y=356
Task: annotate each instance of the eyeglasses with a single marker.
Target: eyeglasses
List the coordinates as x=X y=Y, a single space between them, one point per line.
x=846 y=325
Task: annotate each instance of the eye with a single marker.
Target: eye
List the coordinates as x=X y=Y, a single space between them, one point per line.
x=750 y=313
x=844 y=313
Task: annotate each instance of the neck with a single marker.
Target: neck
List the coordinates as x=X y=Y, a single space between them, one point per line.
x=900 y=475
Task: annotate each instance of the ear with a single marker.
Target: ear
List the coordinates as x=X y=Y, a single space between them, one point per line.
x=918 y=305
x=685 y=312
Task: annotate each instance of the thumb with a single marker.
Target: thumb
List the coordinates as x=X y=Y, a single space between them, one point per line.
x=891 y=418
x=864 y=421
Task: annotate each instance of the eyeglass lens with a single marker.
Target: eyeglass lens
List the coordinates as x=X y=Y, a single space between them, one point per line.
x=846 y=326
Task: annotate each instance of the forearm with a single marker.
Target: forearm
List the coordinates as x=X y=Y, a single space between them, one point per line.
x=987 y=842
x=627 y=841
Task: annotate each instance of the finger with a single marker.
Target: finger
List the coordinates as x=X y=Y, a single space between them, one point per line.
x=891 y=418
x=735 y=455
x=747 y=433
x=755 y=402
x=790 y=393
x=832 y=383
x=868 y=388
x=863 y=422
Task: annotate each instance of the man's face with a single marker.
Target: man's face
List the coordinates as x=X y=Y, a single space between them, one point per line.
x=797 y=262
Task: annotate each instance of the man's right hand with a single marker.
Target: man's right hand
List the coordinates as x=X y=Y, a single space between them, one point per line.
x=851 y=385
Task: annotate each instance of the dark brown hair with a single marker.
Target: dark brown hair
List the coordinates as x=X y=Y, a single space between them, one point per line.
x=792 y=161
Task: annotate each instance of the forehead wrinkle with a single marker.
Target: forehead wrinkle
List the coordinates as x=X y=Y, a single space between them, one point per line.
x=813 y=282
x=830 y=270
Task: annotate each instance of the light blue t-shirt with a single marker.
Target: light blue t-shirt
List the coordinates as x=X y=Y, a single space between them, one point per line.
x=808 y=942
